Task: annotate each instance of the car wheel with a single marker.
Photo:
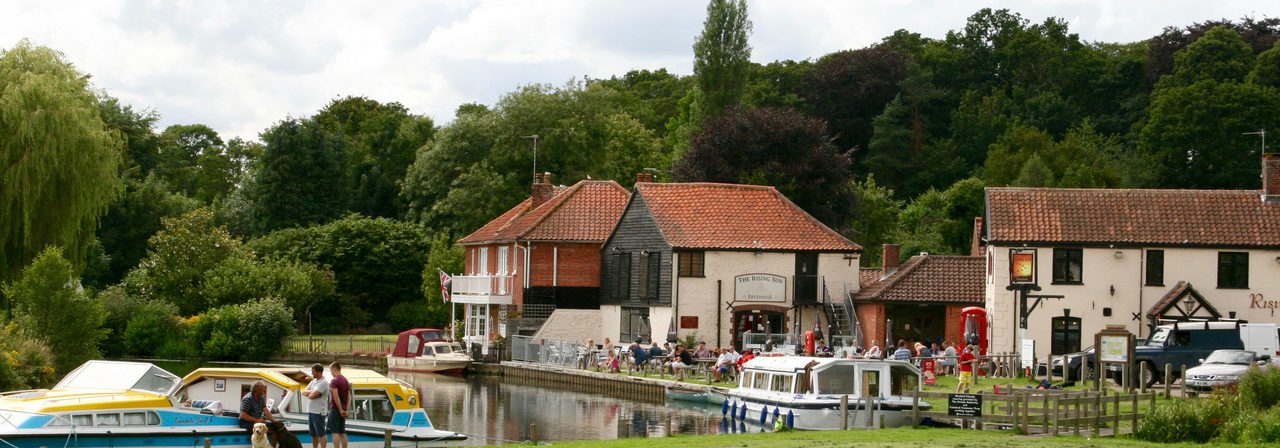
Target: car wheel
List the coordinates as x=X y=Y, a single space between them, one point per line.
x=1150 y=377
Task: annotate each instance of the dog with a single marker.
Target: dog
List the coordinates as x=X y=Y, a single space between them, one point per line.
x=283 y=437
x=259 y=437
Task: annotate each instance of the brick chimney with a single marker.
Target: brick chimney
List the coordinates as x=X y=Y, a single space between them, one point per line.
x=1271 y=178
x=977 y=249
x=892 y=258
x=644 y=176
x=543 y=190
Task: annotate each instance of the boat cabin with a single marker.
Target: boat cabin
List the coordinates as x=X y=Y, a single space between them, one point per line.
x=375 y=397
x=830 y=377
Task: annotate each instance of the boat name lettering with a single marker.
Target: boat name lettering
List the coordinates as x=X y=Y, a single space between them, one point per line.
x=192 y=420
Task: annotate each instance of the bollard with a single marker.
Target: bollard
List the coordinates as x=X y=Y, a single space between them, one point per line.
x=533 y=433
x=844 y=412
x=915 y=408
x=1168 y=378
x=1142 y=374
x=386 y=438
x=1183 y=376
x=870 y=411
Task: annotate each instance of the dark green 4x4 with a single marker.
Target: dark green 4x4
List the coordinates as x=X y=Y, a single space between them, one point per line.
x=1183 y=343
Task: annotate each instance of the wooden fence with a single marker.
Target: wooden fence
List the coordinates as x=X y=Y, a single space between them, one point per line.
x=1033 y=411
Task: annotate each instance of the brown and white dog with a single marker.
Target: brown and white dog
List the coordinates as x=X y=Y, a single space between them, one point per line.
x=259 y=437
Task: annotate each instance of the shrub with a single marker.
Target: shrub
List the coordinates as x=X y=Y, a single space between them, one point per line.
x=1252 y=426
x=25 y=362
x=1189 y=420
x=1260 y=389
x=416 y=314
x=120 y=307
x=47 y=303
x=250 y=331
x=153 y=325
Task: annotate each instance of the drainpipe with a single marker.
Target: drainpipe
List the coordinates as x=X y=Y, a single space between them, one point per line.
x=1142 y=274
x=555 y=266
x=719 y=313
x=675 y=291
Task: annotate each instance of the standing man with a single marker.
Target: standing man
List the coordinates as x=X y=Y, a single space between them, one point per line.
x=340 y=389
x=318 y=399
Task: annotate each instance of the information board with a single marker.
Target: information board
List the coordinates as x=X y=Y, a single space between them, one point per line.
x=964 y=405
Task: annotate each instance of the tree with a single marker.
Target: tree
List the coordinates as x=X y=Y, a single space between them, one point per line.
x=1194 y=139
x=850 y=88
x=302 y=178
x=137 y=127
x=941 y=222
x=61 y=163
x=875 y=217
x=239 y=280
x=193 y=161
x=381 y=140
x=1260 y=34
x=777 y=147
x=722 y=56
x=49 y=303
x=180 y=257
x=376 y=261
x=1219 y=55
x=132 y=219
x=1034 y=173
x=1266 y=68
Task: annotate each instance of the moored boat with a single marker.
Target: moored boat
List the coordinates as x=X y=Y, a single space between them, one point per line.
x=424 y=350
x=805 y=392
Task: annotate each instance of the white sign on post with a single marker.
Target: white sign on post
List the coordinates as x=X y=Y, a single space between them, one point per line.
x=760 y=288
x=1028 y=353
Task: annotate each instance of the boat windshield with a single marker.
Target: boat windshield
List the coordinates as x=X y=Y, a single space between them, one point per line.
x=110 y=375
x=838 y=379
x=443 y=350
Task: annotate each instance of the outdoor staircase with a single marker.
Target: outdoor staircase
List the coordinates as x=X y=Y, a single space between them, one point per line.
x=841 y=320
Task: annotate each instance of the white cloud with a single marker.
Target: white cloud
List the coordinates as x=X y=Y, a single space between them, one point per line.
x=239 y=66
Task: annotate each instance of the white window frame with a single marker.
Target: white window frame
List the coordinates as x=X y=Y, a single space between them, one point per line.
x=484 y=261
x=504 y=260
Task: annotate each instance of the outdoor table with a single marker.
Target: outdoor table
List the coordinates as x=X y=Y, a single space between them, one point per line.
x=704 y=364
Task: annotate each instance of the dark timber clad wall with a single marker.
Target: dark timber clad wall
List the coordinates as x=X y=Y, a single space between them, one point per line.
x=637 y=231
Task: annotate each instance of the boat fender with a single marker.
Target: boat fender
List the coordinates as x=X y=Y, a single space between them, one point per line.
x=775 y=414
x=763 y=413
x=743 y=412
x=724 y=408
x=791 y=419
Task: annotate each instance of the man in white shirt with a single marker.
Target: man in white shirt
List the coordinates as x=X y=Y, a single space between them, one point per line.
x=317 y=393
x=727 y=360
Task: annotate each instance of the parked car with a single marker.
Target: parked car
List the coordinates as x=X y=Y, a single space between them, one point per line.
x=1074 y=360
x=1223 y=368
x=1183 y=343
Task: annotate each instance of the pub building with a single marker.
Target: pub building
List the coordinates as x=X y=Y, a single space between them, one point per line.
x=918 y=300
x=1131 y=257
x=537 y=259
x=720 y=260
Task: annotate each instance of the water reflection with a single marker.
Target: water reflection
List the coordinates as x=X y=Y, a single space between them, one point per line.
x=494 y=410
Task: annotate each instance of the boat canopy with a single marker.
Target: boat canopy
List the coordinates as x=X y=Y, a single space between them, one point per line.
x=410 y=342
x=119 y=376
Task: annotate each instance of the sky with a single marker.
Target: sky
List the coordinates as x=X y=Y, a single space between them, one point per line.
x=240 y=66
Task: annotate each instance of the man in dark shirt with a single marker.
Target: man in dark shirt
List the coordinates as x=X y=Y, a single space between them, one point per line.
x=253 y=407
x=337 y=421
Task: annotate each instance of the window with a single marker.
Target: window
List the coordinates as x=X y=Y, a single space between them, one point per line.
x=108 y=419
x=1155 y=268
x=622 y=276
x=691 y=264
x=781 y=383
x=1066 y=335
x=1233 y=270
x=371 y=405
x=478 y=321
x=483 y=268
x=1068 y=265
x=503 y=252
x=635 y=324
x=761 y=381
x=643 y=275
x=650 y=275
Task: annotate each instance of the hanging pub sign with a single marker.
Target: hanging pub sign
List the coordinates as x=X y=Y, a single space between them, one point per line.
x=1022 y=266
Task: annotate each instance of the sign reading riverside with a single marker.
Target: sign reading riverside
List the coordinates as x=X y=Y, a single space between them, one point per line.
x=760 y=288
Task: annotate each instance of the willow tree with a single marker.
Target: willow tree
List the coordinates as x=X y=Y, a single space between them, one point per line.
x=58 y=160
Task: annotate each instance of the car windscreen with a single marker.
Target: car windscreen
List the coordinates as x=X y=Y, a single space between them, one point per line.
x=1157 y=338
x=1230 y=357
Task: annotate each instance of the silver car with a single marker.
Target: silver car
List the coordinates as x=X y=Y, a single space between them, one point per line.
x=1223 y=368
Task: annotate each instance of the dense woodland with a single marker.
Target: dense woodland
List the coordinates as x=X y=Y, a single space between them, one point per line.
x=337 y=222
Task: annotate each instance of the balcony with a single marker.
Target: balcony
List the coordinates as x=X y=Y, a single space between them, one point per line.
x=482 y=289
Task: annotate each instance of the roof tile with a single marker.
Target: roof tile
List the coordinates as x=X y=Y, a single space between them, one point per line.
x=587 y=211
x=932 y=278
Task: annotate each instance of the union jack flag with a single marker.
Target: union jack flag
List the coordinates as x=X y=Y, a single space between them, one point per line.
x=445 y=281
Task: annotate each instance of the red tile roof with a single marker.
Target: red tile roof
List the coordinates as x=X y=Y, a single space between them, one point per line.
x=1128 y=216
x=868 y=277
x=932 y=278
x=585 y=212
x=730 y=216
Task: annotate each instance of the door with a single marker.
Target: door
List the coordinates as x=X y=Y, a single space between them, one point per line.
x=806 y=278
x=755 y=322
x=1066 y=335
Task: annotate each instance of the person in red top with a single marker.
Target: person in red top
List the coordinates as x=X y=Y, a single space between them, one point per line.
x=967 y=360
x=337 y=421
x=749 y=355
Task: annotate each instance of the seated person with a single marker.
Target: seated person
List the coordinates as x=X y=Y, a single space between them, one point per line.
x=253 y=407
x=655 y=351
x=727 y=360
x=683 y=359
x=638 y=355
x=822 y=349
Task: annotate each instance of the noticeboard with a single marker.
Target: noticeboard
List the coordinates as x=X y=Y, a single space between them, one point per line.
x=964 y=405
x=1115 y=348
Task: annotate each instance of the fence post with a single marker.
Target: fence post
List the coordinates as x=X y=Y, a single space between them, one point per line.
x=1057 y=415
x=1045 y=425
x=1014 y=408
x=1142 y=375
x=1134 y=418
x=844 y=412
x=1097 y=414
x=386 y=438
x=1076 y=421
x=915 y=408
x=1168 y=378
x=871 y=411
x=1183 y=377
x=1026 y=414
x=1116 y=417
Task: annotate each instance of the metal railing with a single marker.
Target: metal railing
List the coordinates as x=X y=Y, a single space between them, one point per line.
x=547 y=351
x=339 y=344
x=482 y=285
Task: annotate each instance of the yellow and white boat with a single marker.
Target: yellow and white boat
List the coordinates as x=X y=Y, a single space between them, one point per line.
x=113 y=404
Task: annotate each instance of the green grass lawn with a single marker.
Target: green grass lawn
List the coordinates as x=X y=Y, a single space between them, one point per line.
x=897 y=437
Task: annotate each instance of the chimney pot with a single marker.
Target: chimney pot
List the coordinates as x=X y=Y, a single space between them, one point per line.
x=892 y=258
x=1271 y=178
x=542 y=189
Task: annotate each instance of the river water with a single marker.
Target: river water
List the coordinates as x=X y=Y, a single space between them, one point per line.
x=494 y=411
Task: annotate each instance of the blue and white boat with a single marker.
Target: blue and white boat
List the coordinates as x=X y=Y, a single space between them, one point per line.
x=130 y=404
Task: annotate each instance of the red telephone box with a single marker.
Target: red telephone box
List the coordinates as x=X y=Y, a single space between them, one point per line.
x=973 y=320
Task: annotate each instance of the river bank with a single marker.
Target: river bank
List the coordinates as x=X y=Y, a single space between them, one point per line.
x=897 y=437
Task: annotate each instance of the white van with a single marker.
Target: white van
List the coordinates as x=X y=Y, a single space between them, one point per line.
x=1263 y=339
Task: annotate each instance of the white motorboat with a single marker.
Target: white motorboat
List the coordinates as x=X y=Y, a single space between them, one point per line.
x=424 y=350
x=805 y=392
